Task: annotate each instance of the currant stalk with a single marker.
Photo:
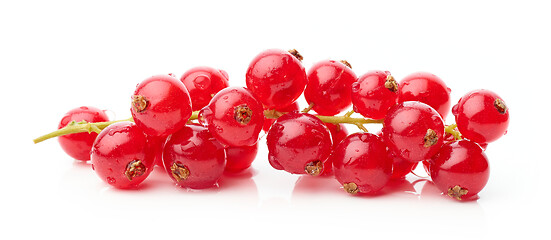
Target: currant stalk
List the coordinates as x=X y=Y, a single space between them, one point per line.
x=83 y=126
x=450 y=129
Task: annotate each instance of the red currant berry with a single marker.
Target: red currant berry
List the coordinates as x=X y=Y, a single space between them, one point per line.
x=269 y=121
x=121 y=156
x=361 y=163
x=78 y=145
x=157 y=144
x=413 y=131
x=481 y=116
x=234 y=117
x=401 y=167
x=161 y=105
x=203 y=83
x=460 y=169
x=338 y=133
x=193 y=158
x=328 y=87
x=374 y=93
x=276 y=77
x=240 y=158
x=299 y=143
x=426 y=88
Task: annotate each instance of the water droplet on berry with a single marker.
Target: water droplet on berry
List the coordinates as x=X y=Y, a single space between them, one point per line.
x=93 y=167
x=111 y=180
x=219 y=129
x=201 y=82
x=455 y=109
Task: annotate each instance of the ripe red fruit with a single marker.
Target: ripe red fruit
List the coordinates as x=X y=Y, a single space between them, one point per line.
x=299 y=143
x=234 y=117
x=203 y=83
x=161 y=105
x=78 y=145
x=121 y=156
x=413 y=131
x=361 y=163
x=276 y=77
x=481 y=116
x=269 y=121
x=426 y=88
x=401 y=167
x=157 y=144
x=460 y=169
x=193 y=158
x=240 y=158
x=374 y=94
x=328 y=87
x=338 y=133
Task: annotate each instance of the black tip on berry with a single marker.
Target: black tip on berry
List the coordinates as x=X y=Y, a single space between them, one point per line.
x=346 y=63
x=314 y=168
x=179 y=171
x=500 y=106
x=430 y=138
x=295 y=53
x=350 y=187
x=242 y=114
x=391 y=83
x=139 y=103
x=457 y=192
x=134 y=169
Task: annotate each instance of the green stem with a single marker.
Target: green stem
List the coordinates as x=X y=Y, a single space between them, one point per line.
x=451 y=130
x=78 y=127
x=83 y=126
x=194 y=115
x=307 y=109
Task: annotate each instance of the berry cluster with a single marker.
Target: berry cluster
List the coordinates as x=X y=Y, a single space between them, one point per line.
x=197 y=127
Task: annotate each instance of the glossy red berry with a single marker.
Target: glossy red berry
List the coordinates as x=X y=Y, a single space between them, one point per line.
x=299 y=143
x=481 y=116
x=193 y=158
x=361 y=163
x=269 y=121
x=400 y=166
x=426 y=88
x=338 y=133
x=374 y=94
x=121 y=156
x=203 y=83
x=240 y=158
x=328 y=87
x=161 y=105
x=157 y=144
x=234 y=117
x=413 y=131
x=78 y=145
x=460 y=169
x=276 y=77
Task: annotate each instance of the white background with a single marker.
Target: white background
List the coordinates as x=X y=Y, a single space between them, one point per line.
x=57 y=55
